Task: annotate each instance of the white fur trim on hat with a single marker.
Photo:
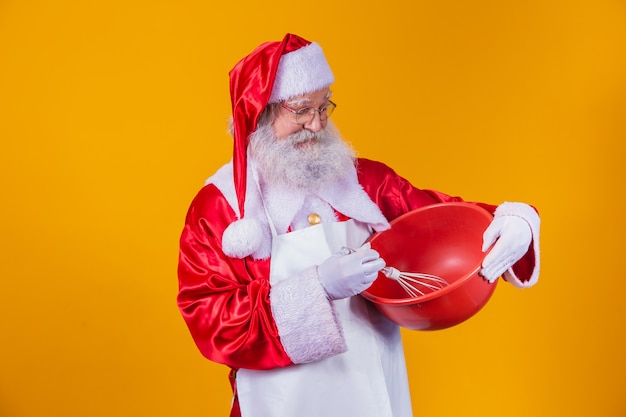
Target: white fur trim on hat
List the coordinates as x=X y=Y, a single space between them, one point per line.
x=302 y=71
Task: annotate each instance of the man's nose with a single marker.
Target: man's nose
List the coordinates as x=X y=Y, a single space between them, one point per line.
x=315 y=124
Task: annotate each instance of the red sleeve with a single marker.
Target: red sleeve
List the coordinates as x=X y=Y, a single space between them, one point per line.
x=225 y=301
x=395 y=196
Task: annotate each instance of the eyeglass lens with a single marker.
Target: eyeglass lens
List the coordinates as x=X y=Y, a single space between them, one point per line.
x=305 y=116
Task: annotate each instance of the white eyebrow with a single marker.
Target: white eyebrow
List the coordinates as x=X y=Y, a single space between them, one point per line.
x=306 y=100
x=299 y=101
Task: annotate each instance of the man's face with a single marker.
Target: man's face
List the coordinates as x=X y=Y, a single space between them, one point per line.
x=285 y=123
x=304 y=159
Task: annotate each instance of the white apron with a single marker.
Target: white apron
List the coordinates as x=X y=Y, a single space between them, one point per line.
x=369 y=380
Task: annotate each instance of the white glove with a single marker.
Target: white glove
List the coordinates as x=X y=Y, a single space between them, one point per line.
x=510 y=236
x=347 y=274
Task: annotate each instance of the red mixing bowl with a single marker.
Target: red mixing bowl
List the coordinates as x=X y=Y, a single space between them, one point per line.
x=444 y=240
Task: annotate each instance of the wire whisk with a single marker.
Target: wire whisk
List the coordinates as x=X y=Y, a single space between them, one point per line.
x=414 y=283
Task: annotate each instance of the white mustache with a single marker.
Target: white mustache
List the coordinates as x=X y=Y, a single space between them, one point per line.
x=303 y=136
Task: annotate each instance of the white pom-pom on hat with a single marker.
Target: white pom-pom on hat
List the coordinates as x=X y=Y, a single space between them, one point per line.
x=242 y=238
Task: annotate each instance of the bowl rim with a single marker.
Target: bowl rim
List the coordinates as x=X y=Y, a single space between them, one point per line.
x=447 y=289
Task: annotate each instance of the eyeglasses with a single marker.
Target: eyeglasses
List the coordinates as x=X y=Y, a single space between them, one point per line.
x=306 y=115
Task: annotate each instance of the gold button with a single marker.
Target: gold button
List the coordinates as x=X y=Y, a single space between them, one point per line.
x=314 y=219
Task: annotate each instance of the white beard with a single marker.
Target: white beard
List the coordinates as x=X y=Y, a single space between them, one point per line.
x=305 y=161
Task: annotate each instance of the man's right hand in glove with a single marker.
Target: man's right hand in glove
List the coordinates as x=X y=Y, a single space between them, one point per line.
x=347 y=274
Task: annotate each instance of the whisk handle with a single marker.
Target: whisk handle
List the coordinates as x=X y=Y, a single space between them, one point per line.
x=391 y=272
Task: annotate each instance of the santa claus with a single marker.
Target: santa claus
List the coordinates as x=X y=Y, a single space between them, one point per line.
x=264 y=286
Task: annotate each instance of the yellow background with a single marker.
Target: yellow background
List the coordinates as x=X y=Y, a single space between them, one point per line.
x=112 y=113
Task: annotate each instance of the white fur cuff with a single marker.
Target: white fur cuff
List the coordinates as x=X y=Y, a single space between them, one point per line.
x=307 y=324
x=529 y=214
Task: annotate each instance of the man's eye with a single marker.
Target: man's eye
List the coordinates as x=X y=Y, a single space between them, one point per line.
x=306 y=110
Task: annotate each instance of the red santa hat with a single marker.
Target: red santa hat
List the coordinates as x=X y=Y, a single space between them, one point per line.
x=273 y=72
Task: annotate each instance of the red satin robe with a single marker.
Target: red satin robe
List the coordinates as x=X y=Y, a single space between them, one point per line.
x=225 y=301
